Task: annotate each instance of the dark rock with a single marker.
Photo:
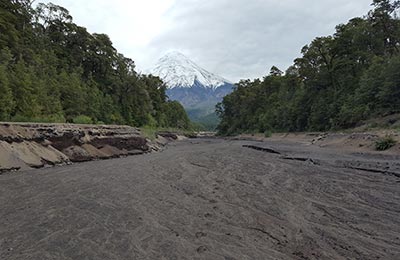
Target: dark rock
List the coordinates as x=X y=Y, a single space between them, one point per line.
x=263 y=149
x=201 y=249
x=168 y=135
x=122 y=143
x=77 y=154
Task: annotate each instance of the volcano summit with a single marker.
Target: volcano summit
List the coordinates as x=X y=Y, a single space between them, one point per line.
x=194 y=87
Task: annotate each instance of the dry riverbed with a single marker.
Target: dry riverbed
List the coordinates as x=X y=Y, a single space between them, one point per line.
x=207 y=199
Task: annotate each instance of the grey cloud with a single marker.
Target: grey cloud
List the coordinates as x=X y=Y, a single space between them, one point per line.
x=243 y=39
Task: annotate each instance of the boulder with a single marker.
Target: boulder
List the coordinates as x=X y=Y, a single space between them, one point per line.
x=77 y=154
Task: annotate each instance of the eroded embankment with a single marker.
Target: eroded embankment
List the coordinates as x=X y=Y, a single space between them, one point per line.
x=25 y=145
x=363 y=142
x=383 y=163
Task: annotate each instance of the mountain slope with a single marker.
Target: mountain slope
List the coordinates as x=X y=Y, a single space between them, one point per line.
x=179 y=71
x=194 y=87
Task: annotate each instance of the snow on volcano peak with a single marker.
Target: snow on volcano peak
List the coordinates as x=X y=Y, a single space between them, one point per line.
x=178 y=71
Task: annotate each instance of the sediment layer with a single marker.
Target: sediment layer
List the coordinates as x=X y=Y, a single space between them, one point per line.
x=27 y=145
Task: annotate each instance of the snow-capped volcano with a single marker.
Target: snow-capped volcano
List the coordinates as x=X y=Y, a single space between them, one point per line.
x=194 y=87
x=178 y=71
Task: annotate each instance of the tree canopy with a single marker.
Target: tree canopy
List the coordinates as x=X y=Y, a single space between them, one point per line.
x=53 y=70
x=339 y=81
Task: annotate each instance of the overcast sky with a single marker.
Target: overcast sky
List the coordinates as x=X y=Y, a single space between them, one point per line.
x=233 y=38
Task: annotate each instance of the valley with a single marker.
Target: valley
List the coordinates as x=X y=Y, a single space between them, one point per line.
x=104 y=158
x=207 y=199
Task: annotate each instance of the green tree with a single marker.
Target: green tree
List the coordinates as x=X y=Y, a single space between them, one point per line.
x=338 y=82
x=6 y=98
x=54 y=70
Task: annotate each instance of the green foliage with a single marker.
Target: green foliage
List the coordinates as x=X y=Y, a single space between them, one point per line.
x=42 y=119
x=52 y=70
x=6 y=98
x=385 y=143
x=267 y=134
x=338 y=82
x=175 y=116
x=204 y=120
x=151 y=132
x=82 y=119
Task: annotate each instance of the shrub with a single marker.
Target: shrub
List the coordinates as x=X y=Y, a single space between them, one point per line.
x=149 y=132
x=56 y=118
x=374 y=125
x=385 y=143
x=267 y=133
x=82 y=119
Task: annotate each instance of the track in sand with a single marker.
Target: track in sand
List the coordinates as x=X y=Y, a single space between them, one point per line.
x=207 y=199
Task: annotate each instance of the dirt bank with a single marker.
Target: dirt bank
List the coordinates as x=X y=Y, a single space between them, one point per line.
x=346 y=141
x=25 y=145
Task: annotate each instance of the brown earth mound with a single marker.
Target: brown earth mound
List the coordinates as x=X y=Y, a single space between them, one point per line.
x=27 y=145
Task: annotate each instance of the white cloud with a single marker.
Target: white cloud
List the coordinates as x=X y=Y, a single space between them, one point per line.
x=131 y=24
x=234 y=38
x=243 y=39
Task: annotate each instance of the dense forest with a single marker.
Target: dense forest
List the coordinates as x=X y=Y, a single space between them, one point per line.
x=52 y=70
x=338 y=82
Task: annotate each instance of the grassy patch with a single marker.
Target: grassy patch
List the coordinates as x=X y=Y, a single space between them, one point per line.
x=42 y=119
x=82 y=119
x=385 y=143
x=267 y=134
x=151 y=132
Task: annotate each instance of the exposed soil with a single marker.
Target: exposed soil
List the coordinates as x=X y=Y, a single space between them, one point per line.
x=207 y=199
x=343 y=141
x=29 y=145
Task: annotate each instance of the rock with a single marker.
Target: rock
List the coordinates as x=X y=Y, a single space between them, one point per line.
x=36 y=156
x=127 y=143
x=8 y=159
x=113 y=151
x=154 y=147
x=201 y=249
x=168 y=135
x=182 y=137
x=161 y=140
x=94 y=152
x=86 y=138
x=77 y=154
x=263 y=149
x=46 y=143
x=135 y=152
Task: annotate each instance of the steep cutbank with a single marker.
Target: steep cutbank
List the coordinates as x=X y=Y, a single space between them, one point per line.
x=31 y=145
